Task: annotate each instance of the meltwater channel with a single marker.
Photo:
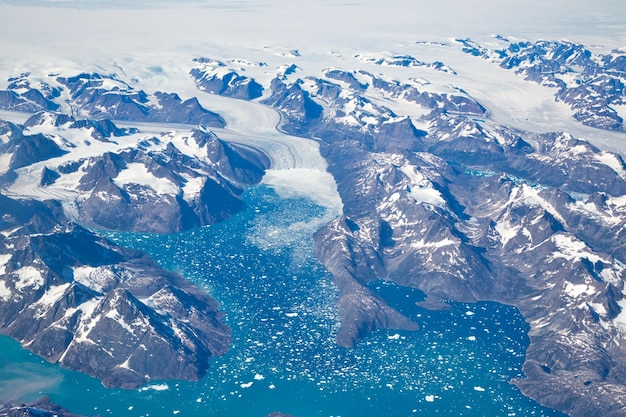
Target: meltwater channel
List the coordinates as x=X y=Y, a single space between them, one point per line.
x=279 y=302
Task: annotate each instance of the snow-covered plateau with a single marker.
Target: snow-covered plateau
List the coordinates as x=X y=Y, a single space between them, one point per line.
x=473 y=152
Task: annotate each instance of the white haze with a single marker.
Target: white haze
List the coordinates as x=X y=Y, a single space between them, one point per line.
x=88 y=30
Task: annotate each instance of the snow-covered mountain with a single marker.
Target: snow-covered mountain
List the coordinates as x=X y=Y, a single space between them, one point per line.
x=122 y=179
x=439 y=198
x=591 y=84
x=99 y=96
x=437 y=194
x=78 y=299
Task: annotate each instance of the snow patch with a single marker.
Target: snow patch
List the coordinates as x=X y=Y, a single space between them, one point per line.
x=531 y=196
x=572 y=249
x=136 y=173
x=506 y=231
x=96 y=278
x=439 y=244
x=576 y=290
x=4 y=260
x=192 y=188
x=620 y=320
x=422 y=189
x=28 y=277
x=53 y=295
x=5 y=161
x=5 y=293
x=88 y=322
x=620 y=108
x=119 y=319
x=612 y=161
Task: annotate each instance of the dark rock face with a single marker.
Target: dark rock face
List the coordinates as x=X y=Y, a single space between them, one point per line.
x=294 y=102
x=27 y=149
x=79 y=300
x=48 y=177
x=174 y=110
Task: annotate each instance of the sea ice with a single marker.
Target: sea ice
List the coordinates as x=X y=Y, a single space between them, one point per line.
x=154 y=387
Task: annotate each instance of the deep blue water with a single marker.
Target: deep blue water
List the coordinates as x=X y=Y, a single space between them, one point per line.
x=280 y=304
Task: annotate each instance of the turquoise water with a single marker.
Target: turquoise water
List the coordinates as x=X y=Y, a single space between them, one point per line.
x=280 y=304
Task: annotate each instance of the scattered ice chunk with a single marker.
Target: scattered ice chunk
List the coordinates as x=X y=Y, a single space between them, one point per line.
x=394 y=337
x=430 y=398
x=259 y=377
x=479 y=389
x=471 y=338
x=154 y=387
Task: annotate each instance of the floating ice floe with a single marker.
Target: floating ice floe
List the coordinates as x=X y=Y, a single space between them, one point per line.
x=154 y=387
